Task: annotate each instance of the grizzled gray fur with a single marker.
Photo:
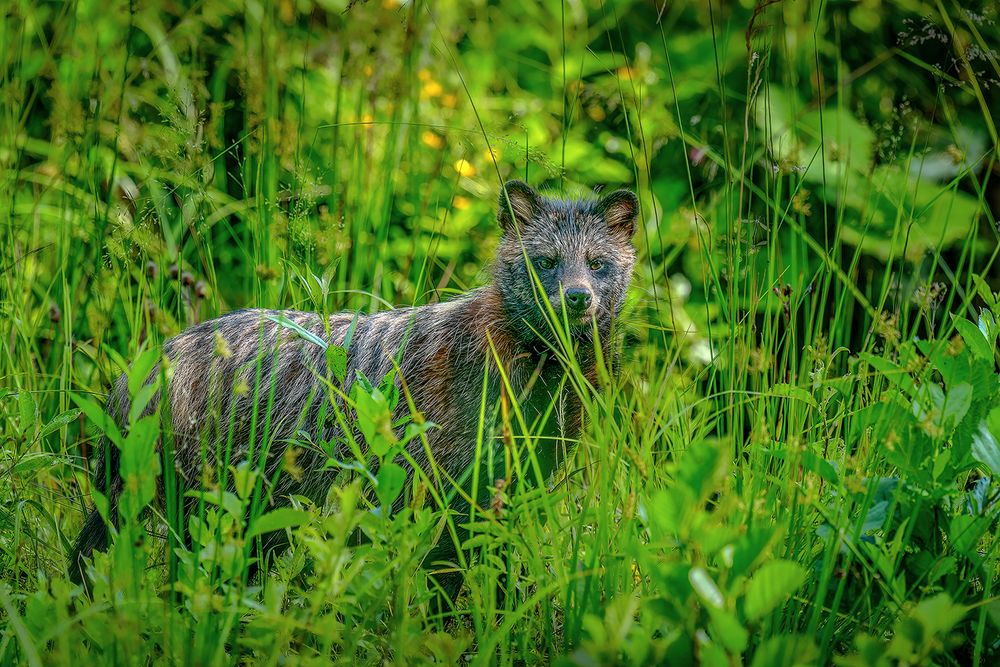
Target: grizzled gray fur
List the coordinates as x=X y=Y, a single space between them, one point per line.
x=582 y=255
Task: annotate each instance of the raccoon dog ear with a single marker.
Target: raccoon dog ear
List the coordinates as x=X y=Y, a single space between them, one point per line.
x=620 y=210
x=518 y=198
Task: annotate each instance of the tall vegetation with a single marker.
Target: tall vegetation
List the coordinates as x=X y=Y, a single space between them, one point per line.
x=799 y=460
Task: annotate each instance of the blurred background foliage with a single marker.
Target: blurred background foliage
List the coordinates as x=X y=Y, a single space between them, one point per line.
x=364 y=142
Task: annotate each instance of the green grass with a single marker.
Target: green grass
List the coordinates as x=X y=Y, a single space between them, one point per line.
x=798 y=461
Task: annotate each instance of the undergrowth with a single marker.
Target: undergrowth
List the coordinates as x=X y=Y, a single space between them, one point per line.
x=797 y=462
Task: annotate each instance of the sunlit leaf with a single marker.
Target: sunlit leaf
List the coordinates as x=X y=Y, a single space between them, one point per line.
x=771 y=585
x=277 y=519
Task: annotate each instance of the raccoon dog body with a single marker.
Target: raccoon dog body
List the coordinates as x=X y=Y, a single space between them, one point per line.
x=581 y=260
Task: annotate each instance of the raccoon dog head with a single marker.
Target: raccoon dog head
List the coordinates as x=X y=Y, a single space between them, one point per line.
x=580 y=250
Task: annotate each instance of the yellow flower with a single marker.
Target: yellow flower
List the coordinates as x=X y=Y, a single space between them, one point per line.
x=431 y=89
x=460 y=202
x=424 y=75
x=432 y=139
x=449 y=100
x=465 y=168
x=491 y=154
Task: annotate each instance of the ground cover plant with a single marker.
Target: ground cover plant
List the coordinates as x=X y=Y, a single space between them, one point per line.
x=795 y=462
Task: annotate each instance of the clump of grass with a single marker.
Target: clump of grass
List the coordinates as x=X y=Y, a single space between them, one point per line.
x=797 y=462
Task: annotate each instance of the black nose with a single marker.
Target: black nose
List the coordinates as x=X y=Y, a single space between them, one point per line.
x=578 y=298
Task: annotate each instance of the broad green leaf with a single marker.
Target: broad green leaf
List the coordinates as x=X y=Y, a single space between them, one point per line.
x=140 y=371
x=827 y=145
x=988 y=325
x=374 y=418
x=985 y=445
x=101 y=504
x=713 y=655
x=778 y=111
x=666 y=510
x=943 y=214
x=140 y=400
x=845 y=141
x=993 y=611
x=244 y=479
x=899 y=216
x=726 y=628
x=336 y=361
x=27 y=410
x=226 y=500
x=700 y=469
x=750 y=548
x=975 y=339
x=414 y=430
x=58 y=422
x=277 y=519
x=964 y=532
x=98 y=416
x=956 y=404
x=875 y=517
x=140 y=464
x=391 y=478
x=938 y=614
x=771 y=585
x=387 y=386
x=813 y=462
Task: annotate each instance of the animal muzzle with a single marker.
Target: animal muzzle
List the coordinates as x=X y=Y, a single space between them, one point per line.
x=578 y=302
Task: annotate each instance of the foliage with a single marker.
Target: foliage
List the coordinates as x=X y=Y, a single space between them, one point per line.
x=798 y=463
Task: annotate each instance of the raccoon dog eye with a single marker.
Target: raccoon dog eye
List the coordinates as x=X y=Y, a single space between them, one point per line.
x=546 y=263
x=596 y=264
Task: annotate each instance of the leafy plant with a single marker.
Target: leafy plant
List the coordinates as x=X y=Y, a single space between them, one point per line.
x=795 y=461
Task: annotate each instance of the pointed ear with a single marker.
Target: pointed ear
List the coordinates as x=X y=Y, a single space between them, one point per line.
x=518 y=198
x=620 y=210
